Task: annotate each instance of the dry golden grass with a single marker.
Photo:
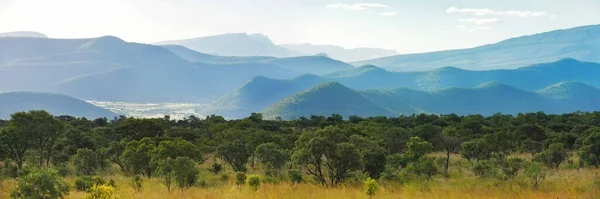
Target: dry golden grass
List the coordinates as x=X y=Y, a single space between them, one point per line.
x=567 y=184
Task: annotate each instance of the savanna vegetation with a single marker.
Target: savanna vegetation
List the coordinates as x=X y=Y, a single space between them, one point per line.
x=532 y=155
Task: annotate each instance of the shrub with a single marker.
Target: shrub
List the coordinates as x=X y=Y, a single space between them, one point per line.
x=224 y=177
x=86 y=161
x=536 y=173
x=371 y=187
x=216 y=168
x=10 y=170
x=63 y=170
x=240 y=178
x=295 y=176
x=41 y=184
x=253 y=181
x=100 y=192
x=185 y=171
x=83 y=183
x=137 y=183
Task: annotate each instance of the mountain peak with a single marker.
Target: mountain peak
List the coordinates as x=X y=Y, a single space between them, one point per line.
x=103 y=42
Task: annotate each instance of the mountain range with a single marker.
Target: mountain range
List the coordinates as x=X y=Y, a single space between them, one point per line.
x=23 y=34
x=582 y=43
x=341 y=53
x=486 y=99
x=12 y=102
x=260 y=92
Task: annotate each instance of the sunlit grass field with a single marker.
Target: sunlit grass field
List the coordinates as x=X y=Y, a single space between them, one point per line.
x=461 y=184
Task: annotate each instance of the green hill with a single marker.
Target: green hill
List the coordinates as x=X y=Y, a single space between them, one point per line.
x=326 y=99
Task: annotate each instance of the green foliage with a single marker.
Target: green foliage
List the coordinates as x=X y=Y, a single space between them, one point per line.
x=270 y=153
x=425 y=166
x=138 y=157
x=295 y=176
x=235 y=154
x=185 y=172
x=590 y=151
x=240 y=178
x=100 y=192
x=253 y=181
x=475 y=149
x=176 y=148
x=536 y=173
x=137 y=183
x=371 y=186
x=417 y=148
x=553 y=156
x=83 y=183
x=41 y=184
x=86 y=161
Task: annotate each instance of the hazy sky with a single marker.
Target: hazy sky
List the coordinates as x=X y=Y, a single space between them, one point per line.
x=404 y=25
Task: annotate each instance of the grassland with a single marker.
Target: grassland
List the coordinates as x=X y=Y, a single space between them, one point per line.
x=461 y=184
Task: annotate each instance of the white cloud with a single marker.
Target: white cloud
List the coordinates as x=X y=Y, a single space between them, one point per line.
x=481 y=21
x=461 y=27
x=487 y=11
x=387 y=14
x=357 y=6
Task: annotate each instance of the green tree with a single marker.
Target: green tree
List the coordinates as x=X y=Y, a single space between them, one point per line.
x=41 y=184
x=271 y=154
x=590 y=151
x=235 y=154
x=425 y=166
x=15 y=143
x=114 y=153
x=450 y=145
x=137 y=129
x=553 y=156
x=43 y=128
x=327 y=156
x=86 y=161
x=475 y=149
x=176 y=148
x=138 y=156
x=166 y=170
x=536 y=173
x=417 y=148
x=185 y=171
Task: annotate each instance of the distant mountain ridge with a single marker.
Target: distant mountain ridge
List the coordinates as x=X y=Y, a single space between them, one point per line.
x=340 y=53
x=12 y=102
x=582 y=43
x=486 y=99
x=234 y=44
x=23 y=34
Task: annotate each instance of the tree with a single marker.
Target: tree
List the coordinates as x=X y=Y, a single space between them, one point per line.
x=475 y=149
x=86 y=161
x=373 y=156
x=590 y=152
x=15 y=143
x=185 y=172
x=425 y=166
x=327 y=156
x=235 y=154
x=138 y=156
x=271 y=154
x=137 y=129
x=253 y=181
x=176 y=148
x=41 y=184
x=166 y=170
x=43 y=129
x=417 y=148
x=553 y=156
x=536 y=173
x=450 y=145
x=114 y=153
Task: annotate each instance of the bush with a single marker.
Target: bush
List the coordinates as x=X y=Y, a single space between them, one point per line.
x=240 y=178
x=63 y=170
x=41 y=184
x=137 y=183
x=185 y=171
x=371 y=187
x=224 y=177
x=536 y=173
x=100 y=192
x=295 y=176
x=86 y=161
x=215 y=168
x=10 y=170
x=83 y=183
x=253 y=181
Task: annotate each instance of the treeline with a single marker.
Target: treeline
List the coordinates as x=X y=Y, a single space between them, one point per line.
x=325 y=150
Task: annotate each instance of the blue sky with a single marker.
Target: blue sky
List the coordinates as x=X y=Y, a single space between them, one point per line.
x=407 y=26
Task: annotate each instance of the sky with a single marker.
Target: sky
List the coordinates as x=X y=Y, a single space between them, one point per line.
x=407 y=26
